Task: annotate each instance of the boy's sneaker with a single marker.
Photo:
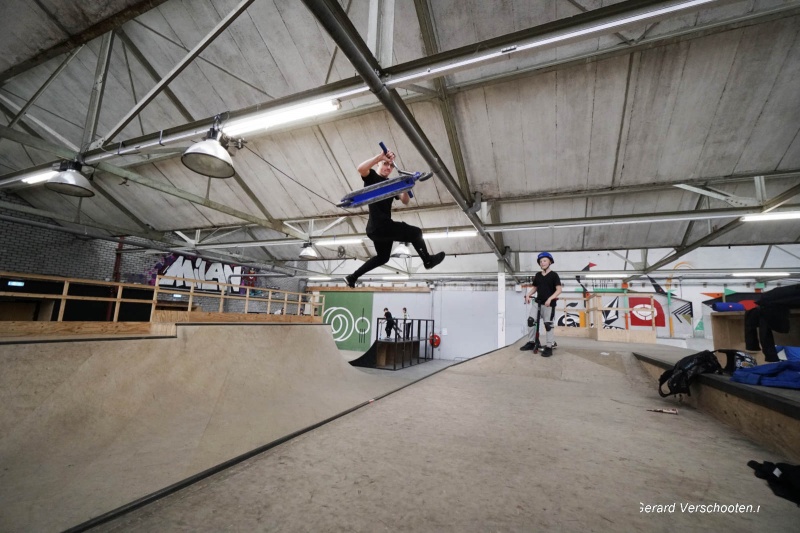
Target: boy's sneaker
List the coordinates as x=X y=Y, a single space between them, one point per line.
x=434 y=260
x=351 y=281
x=528 y=346
x=547 y=351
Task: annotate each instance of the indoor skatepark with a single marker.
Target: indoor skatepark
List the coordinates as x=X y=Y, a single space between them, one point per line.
x=508 y=441
x=213 y=213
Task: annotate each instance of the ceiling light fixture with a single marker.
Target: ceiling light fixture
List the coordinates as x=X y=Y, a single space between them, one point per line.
x=210 y=156
x=765 y=217
x=401 y=251
x=334 y=241
x=395 y=278
x=69 y=181
x=582 y=31
x=760 y=274
x=270 y=119
x=320 y=278
x=611 y=276
x=39 y=177
x=448 y=234
x=308 y=252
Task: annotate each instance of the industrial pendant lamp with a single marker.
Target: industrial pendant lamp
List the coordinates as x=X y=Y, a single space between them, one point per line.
x=210 y=156
x=69 y=181
x=308 y=252
x=401 y=251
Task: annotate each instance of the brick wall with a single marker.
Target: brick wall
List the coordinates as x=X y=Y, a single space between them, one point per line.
x=32 y=250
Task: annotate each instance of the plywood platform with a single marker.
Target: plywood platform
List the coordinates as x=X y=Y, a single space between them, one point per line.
x=768 y=415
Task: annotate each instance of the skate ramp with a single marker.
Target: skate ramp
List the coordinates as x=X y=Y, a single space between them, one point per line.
x=369 y=359
x=88 y=426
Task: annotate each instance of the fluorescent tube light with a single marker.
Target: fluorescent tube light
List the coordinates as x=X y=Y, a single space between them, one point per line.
x=16 y=283
x=320 y=278
x=759 y=274
x=270 y=119
x=398 y=277
x=449 y=234
x=541 y=42
x=610 y=276
x=764 y=217
x=39 y=177
x=336 y=241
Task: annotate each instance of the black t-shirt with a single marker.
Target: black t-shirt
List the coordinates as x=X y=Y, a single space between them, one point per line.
x=388 y=316
x=546 y=286
x=378 y=211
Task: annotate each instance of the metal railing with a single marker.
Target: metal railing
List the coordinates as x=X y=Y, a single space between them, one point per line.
x=407 y=340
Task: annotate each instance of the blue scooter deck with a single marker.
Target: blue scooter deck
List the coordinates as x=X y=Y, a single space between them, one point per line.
x=381 y=191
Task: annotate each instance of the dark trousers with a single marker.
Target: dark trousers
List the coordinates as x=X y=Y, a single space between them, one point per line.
x=386 y=234
x=389 y=327
x=759 y=323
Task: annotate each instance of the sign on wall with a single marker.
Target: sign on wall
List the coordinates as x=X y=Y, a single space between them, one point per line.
x=349 y=315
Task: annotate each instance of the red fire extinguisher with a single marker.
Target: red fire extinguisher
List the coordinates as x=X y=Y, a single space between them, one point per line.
x=435 y=340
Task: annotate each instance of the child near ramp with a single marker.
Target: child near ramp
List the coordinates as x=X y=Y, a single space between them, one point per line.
x=547 y=288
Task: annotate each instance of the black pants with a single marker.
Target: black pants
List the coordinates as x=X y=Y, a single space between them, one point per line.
x=389 y=327
x=759 y=323
x=386 y=234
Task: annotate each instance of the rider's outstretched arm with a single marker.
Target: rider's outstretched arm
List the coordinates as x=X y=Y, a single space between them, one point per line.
x=363 y=168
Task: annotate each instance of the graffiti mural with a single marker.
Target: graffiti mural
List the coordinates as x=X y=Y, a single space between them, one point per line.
x=673 y=316
x=193 y=271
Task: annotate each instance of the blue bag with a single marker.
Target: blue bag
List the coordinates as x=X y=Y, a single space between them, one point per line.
x=727 y=306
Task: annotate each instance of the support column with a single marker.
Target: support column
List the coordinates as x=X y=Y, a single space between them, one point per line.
x=501 y=304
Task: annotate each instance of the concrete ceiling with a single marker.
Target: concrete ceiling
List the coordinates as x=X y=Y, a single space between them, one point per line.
x=598 y=130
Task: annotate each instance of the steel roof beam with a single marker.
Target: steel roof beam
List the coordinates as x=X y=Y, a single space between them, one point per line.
x=336 y=23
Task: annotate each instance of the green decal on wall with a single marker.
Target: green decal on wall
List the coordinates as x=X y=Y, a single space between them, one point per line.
x=350 y=317
x=700 y=326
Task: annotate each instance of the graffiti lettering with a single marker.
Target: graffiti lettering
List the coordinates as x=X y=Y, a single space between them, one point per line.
x=198 y=272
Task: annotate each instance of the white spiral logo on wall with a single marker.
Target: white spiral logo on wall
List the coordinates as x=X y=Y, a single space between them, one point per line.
x=343 y=324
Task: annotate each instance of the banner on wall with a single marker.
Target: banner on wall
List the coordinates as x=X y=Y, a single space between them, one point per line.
x=350 y=317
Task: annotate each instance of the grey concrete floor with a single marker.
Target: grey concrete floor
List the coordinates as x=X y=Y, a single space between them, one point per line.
x=506 y=442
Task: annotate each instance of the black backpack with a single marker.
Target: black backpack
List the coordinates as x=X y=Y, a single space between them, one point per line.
x=681 y=376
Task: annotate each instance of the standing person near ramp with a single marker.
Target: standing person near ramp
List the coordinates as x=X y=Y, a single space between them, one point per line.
x=547 y=288
x=381 y=229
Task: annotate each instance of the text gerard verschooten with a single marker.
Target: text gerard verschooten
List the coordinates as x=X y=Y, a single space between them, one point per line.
x=698 y=508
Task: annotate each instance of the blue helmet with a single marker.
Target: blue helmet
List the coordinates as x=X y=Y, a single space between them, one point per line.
x=547 y=255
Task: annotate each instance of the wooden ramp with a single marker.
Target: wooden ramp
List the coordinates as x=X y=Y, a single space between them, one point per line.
x=87 y=426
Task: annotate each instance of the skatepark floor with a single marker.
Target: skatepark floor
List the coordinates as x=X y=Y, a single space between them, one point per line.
x=509 y=441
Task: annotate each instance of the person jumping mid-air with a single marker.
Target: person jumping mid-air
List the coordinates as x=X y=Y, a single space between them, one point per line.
x=381 y=229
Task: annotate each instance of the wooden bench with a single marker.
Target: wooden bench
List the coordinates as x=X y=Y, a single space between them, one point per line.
x=767 y=415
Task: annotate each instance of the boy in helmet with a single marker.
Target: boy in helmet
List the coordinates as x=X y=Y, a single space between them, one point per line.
x=546 y=287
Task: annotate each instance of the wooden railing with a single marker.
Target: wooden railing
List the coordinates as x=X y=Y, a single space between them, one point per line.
x=592 y=325
x=304 y=304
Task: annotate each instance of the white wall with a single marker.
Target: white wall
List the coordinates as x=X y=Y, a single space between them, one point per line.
x=469 y=317
x=417 y=303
